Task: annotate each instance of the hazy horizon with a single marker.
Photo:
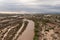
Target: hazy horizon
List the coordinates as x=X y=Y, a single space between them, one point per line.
x=38 y=6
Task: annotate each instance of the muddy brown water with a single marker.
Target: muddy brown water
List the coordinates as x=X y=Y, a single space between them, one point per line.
x=28 y=34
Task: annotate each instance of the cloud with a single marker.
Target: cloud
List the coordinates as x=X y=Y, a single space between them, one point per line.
x=46 y=6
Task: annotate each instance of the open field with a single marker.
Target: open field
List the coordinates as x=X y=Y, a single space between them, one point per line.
x=29 y=27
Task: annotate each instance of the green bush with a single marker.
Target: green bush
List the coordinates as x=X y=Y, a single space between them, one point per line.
x=35 y=38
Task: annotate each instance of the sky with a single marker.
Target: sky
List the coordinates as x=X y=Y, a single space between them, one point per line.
x=39 y=6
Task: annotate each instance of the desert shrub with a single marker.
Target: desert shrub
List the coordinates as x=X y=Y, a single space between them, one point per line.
x=36 y=30
x=35 y=38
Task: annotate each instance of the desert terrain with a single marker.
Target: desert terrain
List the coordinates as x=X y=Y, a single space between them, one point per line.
x=29 y=27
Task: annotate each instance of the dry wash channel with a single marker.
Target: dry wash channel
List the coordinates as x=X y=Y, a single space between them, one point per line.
x=28 y=34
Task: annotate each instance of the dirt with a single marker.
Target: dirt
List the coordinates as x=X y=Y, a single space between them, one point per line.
x=28 y=34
